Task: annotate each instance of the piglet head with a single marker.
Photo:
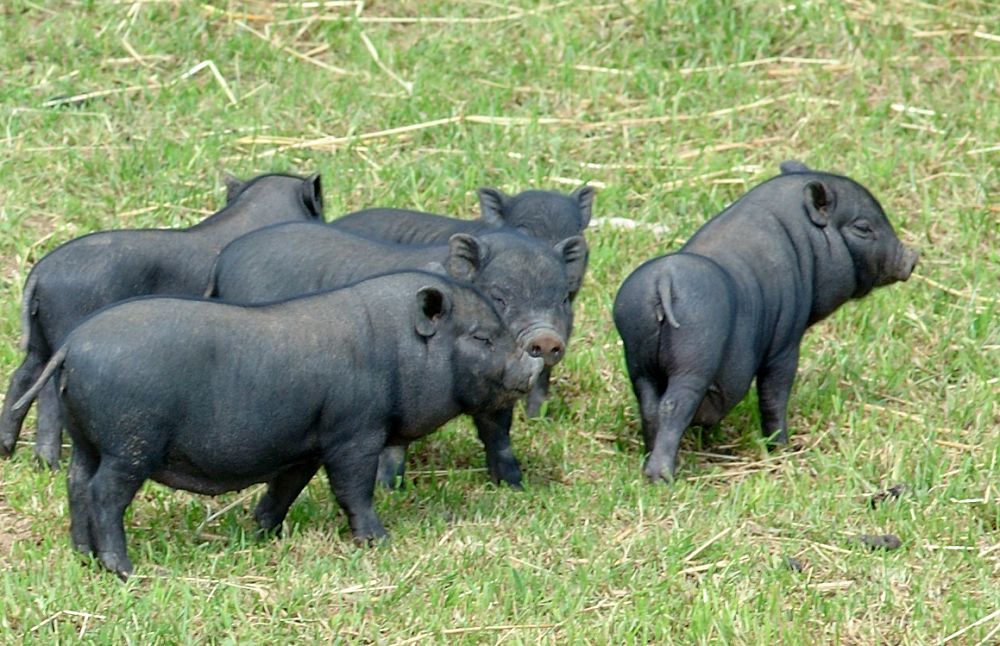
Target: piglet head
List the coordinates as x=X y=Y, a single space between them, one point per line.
x=845 y=209
x=489 y=369
x=546 y=215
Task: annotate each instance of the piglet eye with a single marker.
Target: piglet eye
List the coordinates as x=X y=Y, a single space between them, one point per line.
x=499 y=300
x=863 y=228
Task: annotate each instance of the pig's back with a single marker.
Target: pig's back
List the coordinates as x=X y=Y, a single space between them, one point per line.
x=407 y=227
x=290 y=260
x=101 y=269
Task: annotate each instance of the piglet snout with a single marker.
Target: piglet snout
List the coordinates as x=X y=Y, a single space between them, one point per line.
x=546 y=344
x=907 y=261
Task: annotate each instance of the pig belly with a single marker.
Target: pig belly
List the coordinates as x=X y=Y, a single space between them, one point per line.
x=181 y=473
x=202 y=484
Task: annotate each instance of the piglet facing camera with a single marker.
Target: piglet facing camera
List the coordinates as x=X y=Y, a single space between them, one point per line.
x=528 y=281
x=549 y=216
x=734 y=302
x=213 y=397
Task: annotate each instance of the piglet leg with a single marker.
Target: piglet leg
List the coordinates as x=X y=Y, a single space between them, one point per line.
x=774 y=385
x=48 y=439
x=676 y=410
x=391 y=465
x=649 y=409
x=20 y=382
x=351 y=470
x=82 y=467
x=494 y=432
x=111 y=490
x=281 y=493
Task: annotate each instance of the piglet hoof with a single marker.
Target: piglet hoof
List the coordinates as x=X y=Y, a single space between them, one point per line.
x=268 y=524
x=533 y=406
x=777 y=439
x=84 y=548
x=658 y=470
x=265 y=533
x=391 y=467
x=389 y=481
x=505 y=469
x=368 y=532
x=370 y=541
x=116 y=563
x=47 y=457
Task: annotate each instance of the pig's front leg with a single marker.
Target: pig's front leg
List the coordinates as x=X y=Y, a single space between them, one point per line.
x=676 y=410
x=494 y=433
x=774 y=385
x=539 y=393
x=281 y=493
x=351 y=468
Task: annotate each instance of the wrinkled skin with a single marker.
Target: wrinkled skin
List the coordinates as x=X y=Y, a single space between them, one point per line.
x=91 y=272
x=733 y=304
x=528 y=281
x=546 y=215
x=211 y=397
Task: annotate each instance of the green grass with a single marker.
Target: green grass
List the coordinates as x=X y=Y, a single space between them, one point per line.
x=658 y=104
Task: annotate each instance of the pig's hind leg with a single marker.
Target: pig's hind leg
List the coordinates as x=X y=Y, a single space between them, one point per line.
x=48 y=439
x=110 y=492
x=83 y=465
x=281 y=493
x=648 y=395
x=675 y=410
x=20 y=382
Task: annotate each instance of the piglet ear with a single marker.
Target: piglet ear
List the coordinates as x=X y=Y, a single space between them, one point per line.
x=819 y=202
x=573 y=251
x=584 y=197
x=233 y=186
x=312 y=195
x=432 y=305
x=492 y=202
x=466 y=256
x=793 y=166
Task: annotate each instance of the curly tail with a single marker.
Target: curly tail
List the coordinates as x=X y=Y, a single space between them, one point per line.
x=665 y=297
x=54 y=363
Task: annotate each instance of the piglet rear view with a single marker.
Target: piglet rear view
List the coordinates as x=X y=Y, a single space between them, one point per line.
x=733 y=304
